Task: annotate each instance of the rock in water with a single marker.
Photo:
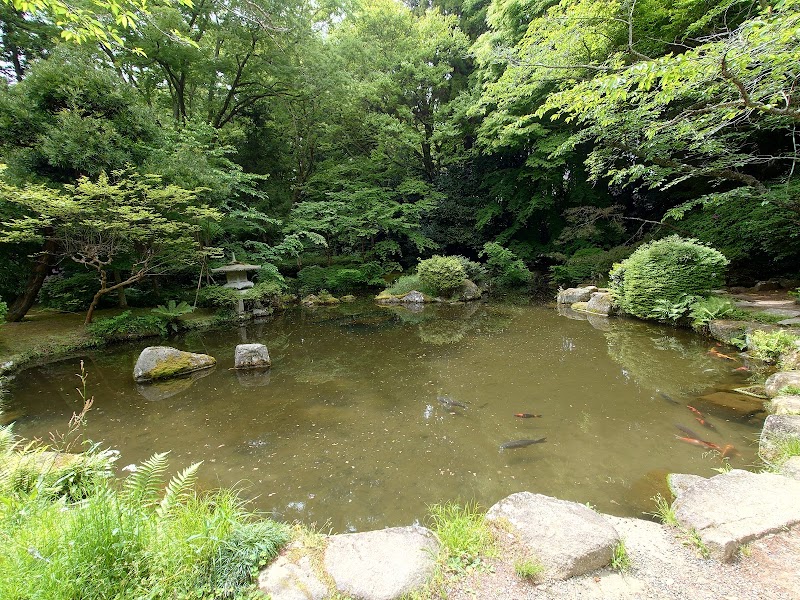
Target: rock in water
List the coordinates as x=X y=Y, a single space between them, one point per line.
x=786 y=405
x=162 y=362
x=251 y=356
x=601 y=303
x=568 y=538
x=734 y=508
x=469 y=291
x=413 y=297
x=381 y=565
x=578 y=294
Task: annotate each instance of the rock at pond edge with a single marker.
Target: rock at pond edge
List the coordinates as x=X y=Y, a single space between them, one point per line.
x=162 y=362
x=568 y=538
x=381 y=565
x=577 y=294
x=777 y=381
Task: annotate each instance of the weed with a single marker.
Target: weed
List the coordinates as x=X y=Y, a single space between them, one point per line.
x=693 y=539
x=769 y=346
x=620 y=561
x=528 y=569
x=790 y=390
x=745 y=550
x=464 y=534
x=779 y=450
x=664 y=511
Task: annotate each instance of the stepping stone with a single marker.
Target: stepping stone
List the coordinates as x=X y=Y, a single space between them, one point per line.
x=567 y=538
x=251 y=356
x=381 y=565
x=287 y=580
x=734 y=508
x=782 y=312
x=790 y=322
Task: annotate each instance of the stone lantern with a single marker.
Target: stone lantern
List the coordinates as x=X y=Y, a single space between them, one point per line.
x=236 y=274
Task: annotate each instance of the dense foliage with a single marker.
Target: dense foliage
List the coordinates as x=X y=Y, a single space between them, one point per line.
x=668 y=274
x=546 y=138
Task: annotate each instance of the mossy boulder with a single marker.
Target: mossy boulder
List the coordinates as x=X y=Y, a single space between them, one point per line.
x=321 y=299
x=163 y=362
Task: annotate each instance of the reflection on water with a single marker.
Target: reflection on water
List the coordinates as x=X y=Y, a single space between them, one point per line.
x=347 y=427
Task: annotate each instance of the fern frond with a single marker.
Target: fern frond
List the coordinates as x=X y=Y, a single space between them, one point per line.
x=179 y=488
x=142 y=486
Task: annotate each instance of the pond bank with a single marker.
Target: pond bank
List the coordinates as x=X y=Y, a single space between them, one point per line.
x=549 y=548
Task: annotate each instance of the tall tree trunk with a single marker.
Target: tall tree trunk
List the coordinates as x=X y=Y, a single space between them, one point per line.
x=22 y=304
x=123 y=301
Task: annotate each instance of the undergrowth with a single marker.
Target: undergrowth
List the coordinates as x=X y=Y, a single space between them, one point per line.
x=464 y=533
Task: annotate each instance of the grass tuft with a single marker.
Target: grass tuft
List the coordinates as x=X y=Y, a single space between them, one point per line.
x=664 y=511
x=464 y=533
x=620 y=561
x=528 y=569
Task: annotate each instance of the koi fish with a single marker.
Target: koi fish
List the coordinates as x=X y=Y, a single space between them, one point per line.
x=527 y=416
x=718 y=354
x=694 y=410
x=742 y=369
x=520 y=443
x=448 y=402
x=701 y=443
x=668 y=398
x=705 y=423
x=688 y=432
x=729 y=450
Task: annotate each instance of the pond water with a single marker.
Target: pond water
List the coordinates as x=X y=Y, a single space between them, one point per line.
x=357 y=424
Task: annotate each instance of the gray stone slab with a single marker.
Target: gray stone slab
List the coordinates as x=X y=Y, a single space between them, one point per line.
x=679 y=483
x=777 y=381
x=782 y=312
x=287 y=580
x=577 y=294
x=383 y=564
x=568 y=538
x=786 y=405
x=734 y=508
x=794 y=322
x=251 y=356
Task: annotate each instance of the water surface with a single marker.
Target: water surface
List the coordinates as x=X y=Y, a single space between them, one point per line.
x=347 y=427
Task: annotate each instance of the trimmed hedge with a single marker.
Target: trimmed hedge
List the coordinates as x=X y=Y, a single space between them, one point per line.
x=667 y=269
x=444 y=274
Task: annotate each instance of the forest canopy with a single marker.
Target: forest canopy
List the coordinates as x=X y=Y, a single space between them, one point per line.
x=380 y=133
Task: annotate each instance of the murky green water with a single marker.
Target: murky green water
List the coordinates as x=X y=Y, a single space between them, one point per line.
x=347 y=428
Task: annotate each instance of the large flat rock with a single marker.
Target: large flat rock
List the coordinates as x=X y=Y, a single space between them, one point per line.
x=381 y=565
x=287 y=580
x=163 y=362
x=777 y=381
x=734 y=508
x=568 y=538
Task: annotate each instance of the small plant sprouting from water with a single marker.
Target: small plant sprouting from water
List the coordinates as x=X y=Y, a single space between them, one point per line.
x=664 y=511
x=528 y=569
x=620 y=561
x=464 y=534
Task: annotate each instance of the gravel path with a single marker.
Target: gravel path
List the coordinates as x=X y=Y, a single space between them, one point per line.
x=662 y=567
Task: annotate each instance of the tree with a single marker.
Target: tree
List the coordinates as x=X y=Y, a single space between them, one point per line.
x=127 y=218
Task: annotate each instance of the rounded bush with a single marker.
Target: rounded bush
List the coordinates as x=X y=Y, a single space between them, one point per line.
x=667 y=269
x=444 y=274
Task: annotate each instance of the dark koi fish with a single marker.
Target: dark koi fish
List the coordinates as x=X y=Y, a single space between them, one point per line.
x=668 y=398
x=688 y=432
x=520 y=443
x=527 y=416
x=448 y=402
x=706 y=424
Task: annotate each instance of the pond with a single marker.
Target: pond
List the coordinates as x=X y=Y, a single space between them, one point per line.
x=359 y=423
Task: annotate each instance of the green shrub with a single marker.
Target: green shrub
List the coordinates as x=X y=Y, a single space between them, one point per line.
x=3 y=311
x=127 y=326
x=171 y=312
x=443 y=274
x=669 y=269
x=71 y=294
x=505 y=269
x=142 y=539
x=408 y=283
x=217 y=296
x=475 y=271
x=769 y=346
x=667 y=311
x=709 y=309
x=340 y=279
x=588 y=265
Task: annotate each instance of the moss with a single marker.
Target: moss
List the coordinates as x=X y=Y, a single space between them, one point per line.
x=177 y=365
